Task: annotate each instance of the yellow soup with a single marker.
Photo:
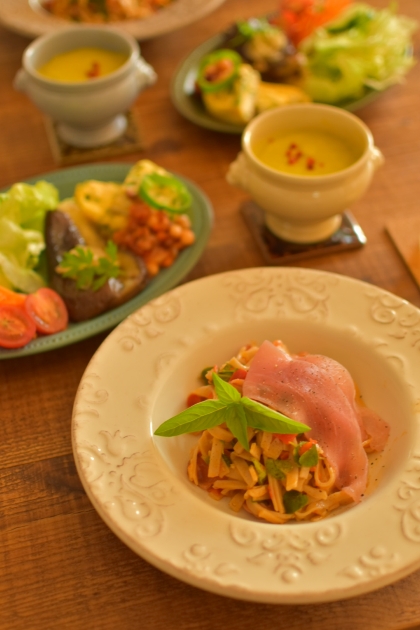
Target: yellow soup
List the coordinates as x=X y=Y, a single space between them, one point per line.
x=309 y=153
x=82 y=64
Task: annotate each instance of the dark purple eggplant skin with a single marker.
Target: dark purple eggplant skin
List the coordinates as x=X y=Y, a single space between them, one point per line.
x=62 y=235
x=281 y=71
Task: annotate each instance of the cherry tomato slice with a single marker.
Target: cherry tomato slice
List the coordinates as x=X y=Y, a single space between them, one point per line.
x=193 y=399
x=47 y=310
x=238 y=374
x=286 y=438
x=16 y=327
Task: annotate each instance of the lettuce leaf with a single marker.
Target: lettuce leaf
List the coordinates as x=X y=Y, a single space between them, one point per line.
x=363 y=48
x=22 y=214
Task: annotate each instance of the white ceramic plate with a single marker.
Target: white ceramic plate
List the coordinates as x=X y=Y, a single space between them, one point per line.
x=28 y=18
x=142 y=374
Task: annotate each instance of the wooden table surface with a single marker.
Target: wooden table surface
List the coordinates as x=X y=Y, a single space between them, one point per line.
x=60 y=565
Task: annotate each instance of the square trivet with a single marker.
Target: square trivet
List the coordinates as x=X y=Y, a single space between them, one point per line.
x=276 y=251
x=405 y=234
x=65 y=154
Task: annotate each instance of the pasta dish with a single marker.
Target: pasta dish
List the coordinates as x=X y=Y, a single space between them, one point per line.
x=103 y=10
x=284 y=477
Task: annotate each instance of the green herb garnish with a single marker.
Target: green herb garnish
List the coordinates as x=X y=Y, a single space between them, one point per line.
x=294 y=500
x=238 y=413
x=278 y=468
x=203 y=374
x=227 y=460
x=226 y=372
x=260 y=470
x=310 y=458
x=90 y=272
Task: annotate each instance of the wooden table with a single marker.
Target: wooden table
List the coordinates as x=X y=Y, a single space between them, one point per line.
x=60 y=565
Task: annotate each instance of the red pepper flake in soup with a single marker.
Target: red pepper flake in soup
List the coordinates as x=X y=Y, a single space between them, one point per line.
x=94 y=71
x=310 y=163
x=293 y=153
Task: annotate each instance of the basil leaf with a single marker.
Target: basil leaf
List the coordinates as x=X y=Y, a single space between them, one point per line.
x=310 y=458
x=236 y=423
x=294 y=500
x=225 y=392
x=204 y=415
x=261 y=417
x=278 y=468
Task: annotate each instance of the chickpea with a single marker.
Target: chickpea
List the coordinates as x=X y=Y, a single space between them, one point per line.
x=175 y=230
x=144 y=244
x=183 y=220
x=167 y=262
x=187 y=238
x=152 y=268
x=162 y=237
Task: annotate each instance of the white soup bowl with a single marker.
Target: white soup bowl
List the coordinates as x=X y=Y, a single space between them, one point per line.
x=88 y=113
x=299 y=208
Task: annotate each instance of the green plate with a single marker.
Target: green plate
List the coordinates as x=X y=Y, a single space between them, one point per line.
x=201 y=214
x=191 y=107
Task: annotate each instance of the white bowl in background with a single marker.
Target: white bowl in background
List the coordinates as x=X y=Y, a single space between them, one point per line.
x=88 y=113
x=298 y=208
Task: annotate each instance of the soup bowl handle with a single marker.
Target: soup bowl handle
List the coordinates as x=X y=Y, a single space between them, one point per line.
x=146 y=75
x=376 y=157
x=20 y=81
x=237 y=174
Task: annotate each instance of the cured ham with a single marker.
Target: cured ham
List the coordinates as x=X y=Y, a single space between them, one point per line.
x=319 y=392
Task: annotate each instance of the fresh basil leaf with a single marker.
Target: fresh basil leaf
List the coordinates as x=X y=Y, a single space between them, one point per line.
x=261 y=417
x=203 y=415
x=236 y=423
x=309 y=458
x=294 y=500
x=225 y=392
x=278 y=468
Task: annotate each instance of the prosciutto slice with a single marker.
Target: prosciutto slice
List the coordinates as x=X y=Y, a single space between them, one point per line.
x=319 y=392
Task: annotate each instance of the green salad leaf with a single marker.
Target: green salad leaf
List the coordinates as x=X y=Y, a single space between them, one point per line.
x=238 y=413
x=362 y=48
x=22 y=214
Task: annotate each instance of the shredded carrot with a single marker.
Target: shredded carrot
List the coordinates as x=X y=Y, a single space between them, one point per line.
x=11 y=298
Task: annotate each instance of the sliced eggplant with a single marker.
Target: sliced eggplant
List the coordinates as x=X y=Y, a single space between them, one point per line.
x=62 y=235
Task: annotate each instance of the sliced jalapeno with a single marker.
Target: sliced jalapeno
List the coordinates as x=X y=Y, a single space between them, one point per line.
x=165 y=192
x=218 y=70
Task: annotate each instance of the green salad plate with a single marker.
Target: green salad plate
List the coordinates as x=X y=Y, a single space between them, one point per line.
x=201 y=214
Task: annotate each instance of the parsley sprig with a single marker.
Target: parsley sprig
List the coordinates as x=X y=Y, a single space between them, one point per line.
x=238 y=412
x=90 y=272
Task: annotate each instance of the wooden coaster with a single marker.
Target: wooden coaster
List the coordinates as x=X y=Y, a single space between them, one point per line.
x=65 y=154
x=405 y=234
x=278 y=252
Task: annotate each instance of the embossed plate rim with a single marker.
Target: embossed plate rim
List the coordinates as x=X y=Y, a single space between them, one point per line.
x=20 y=17
x=139 y=487
x=202 y=215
